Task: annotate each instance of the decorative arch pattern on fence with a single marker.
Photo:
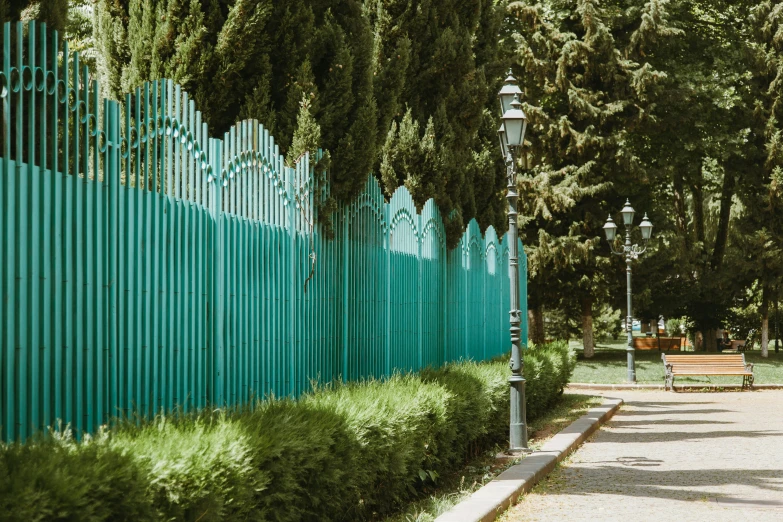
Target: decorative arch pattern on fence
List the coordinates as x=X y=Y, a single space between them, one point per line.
x=147 y=266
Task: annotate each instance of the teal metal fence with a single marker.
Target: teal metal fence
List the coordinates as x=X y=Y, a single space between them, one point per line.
x=147 y=266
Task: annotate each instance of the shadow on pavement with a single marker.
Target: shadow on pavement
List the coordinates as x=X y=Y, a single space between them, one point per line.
x=665 y=404
x=621 y=423
x=626 y=479
x=674 y=436
x=632 y=413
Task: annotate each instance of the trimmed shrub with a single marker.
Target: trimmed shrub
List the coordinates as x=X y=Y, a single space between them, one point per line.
x=309 y=456
x=197 y=468
x=394 y=422
x=548 y=369
x=344 y=452
x=476 y=409
x=54 y=478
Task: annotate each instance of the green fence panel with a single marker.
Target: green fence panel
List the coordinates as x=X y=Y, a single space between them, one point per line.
x=148 y=267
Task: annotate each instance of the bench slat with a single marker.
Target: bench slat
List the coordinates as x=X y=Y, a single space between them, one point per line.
x=712 y=373
x=708 y=365
x=699 y=368
x=729 y=357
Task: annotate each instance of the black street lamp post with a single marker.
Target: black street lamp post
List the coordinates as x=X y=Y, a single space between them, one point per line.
x=631 y=253
x=511 y=136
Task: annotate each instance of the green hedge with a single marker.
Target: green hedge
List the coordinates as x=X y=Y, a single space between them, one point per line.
x=343 y=452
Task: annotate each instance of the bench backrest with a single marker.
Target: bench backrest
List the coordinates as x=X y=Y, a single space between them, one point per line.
x=728 y=361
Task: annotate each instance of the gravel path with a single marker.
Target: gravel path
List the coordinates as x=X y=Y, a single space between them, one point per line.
x=672 y=456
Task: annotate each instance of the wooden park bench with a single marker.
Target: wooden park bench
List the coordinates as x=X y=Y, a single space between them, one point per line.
x=688 y=365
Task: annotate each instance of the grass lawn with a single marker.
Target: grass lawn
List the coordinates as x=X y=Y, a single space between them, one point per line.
x=608 y=366
x=456 y=487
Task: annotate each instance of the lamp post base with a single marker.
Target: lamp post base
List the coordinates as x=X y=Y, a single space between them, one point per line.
x=631 y=366
x=518 y=421
x=510 y=454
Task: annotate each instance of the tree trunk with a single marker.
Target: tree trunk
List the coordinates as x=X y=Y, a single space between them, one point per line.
x=777 y=333
x=724 y=219
x=535 y=321
x=709 y=340
x=680 y=206
x=587 y=327
x=698 y=342
x=765 y=321
x=698 y=208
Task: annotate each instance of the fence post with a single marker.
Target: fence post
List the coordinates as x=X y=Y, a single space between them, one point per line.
x=387 y=301
x=484 y=278
x=345 y=295
x=6 y=250
x=466 y=268
x=444 y=277
x=420 y=291
x=217 y=319
x=289 y=174
x=112 y=177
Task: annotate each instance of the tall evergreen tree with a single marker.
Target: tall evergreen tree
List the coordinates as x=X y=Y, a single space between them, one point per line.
x=703 y=145
x=254 y=59
x=363 y=65
x=585 y=81
x=761 y=229
x=439 y=62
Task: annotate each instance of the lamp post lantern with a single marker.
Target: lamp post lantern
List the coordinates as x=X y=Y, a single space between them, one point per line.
x=511 y=135
x=631 y=253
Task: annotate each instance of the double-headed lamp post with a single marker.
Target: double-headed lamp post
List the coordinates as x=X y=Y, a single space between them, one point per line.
x=512 y=136
x=631 y=252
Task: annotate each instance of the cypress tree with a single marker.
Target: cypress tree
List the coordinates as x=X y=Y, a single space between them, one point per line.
x=411 y=158
x=585 y=97
x=437 y=58
x=255 y=59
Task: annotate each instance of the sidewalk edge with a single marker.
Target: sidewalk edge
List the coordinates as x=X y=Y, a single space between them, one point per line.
x=504 y=490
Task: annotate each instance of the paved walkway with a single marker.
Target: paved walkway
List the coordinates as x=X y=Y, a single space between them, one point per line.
x=672 y=456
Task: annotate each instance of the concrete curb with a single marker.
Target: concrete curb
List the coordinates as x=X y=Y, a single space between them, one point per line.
x=677 y=387
x=491 y=500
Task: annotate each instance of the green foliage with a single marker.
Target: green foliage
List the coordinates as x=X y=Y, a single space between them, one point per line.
x=586 y=89
x=548 y=369
x=78 y=32
x=438 y=62
x=358 y=63
x=676 y=326
x=307 y=139
x=607 y=323
x=411 y=158
x=54 y=478
x=674 y=104
x=308 y=456
x=394 y=423
x=343 y=452
x=53 y=12
x=197 y=469
x=254 y=59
